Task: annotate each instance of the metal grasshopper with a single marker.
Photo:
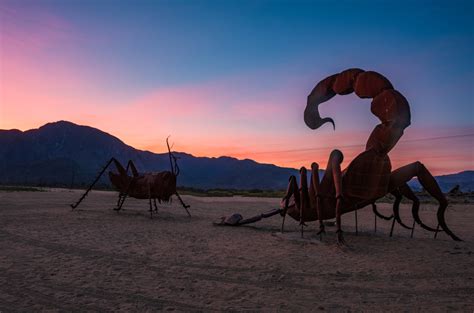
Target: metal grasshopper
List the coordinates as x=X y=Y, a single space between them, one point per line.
x=159 y=186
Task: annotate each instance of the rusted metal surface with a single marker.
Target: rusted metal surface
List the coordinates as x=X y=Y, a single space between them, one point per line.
x=369 y=176
x=159 y=186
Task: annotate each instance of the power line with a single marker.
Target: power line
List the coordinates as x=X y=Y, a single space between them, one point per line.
x=441 y=137
x=358 y=145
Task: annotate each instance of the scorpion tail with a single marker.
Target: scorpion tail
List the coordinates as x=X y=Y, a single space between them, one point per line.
x=341 y=84
x=388 y=104
x=321 y=93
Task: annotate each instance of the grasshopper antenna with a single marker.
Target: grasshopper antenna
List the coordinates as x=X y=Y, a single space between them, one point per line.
x=174 y=167
x=170 y=155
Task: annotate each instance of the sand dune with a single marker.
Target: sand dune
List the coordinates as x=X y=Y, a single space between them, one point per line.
x=95 y=259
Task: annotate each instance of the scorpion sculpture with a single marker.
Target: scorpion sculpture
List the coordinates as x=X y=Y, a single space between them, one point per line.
x=369 y=176
x=157 y=186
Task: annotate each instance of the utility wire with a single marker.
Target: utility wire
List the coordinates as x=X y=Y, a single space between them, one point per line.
x=359 y=145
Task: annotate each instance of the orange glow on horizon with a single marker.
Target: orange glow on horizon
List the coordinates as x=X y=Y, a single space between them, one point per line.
x=434 y=153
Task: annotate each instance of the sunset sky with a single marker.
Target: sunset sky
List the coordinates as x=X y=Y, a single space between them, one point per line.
x=232 y=77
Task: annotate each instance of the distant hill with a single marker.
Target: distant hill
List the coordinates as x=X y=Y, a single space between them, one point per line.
x=465 y=180
x=65 y=154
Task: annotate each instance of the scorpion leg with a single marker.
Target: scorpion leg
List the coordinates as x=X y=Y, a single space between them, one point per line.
x=185 y=206
x=402 y=175
x=357 y=228
x=398 y=194
x=151 y=210
x=408 y=193
x=378 y=214
x=304 y=197
x=315 y=187
x=154 y=204
x=292 y=190
x=334 y=166
x=396 y=208
x=374 y=208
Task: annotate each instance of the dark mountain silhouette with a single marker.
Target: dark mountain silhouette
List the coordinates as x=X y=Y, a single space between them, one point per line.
x=65 y=154
x=464 y=179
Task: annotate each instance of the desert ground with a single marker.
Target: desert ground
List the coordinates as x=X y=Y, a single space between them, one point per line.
x=95 y=259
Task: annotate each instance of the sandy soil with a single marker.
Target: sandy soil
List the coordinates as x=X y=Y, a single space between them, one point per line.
x=95 y=259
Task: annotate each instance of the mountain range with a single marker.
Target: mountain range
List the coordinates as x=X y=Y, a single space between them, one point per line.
x=66 y=154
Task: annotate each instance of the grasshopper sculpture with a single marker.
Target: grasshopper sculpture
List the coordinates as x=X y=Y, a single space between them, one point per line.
x=159 y=186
